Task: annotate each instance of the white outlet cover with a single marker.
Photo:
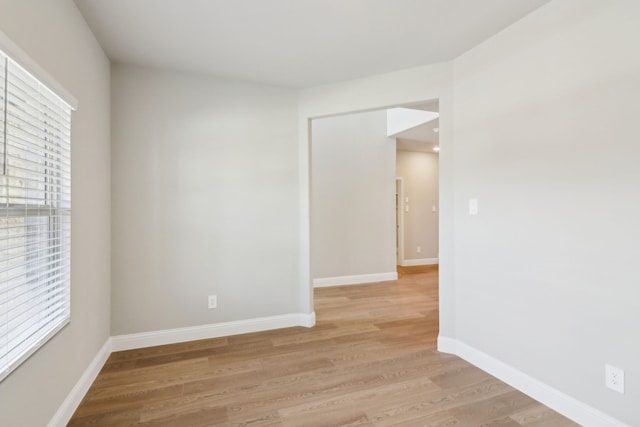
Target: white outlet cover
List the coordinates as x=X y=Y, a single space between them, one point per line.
x=614 y=378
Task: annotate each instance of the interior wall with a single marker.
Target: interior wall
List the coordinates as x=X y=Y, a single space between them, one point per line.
x=546 y=138
x=419 y=173
x=352 y=187
x=56 y=37
x=204 y=200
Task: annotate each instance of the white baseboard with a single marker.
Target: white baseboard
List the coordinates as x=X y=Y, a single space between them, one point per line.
x=216 y=330
x=64 y=413
x=571 y=408
x=421 y=261
x=354 y=280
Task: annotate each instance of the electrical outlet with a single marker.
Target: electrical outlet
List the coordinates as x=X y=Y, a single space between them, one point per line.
x=614 y=378
x=419 y=249
x=213 y=301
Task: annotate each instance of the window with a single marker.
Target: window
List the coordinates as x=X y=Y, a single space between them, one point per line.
x=35 y=214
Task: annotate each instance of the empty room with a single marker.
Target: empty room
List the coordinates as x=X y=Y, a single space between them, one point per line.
x=210 y=216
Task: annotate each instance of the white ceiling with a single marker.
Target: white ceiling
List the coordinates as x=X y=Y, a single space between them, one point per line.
x=423 y=137
x=296 y=43
x=419 y=138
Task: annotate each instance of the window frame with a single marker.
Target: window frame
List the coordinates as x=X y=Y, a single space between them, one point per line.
x=44 y=169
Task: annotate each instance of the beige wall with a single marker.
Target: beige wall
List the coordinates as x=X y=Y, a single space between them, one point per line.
x=55 y=36
x=352 y=196
x=204 y=200
x=419 y=173
x=546 y=138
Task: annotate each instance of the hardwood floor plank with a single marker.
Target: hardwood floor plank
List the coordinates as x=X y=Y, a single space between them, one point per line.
x=347 y=417
x=269 y=419
x=427 y=419
x=501 y=422
x=120 y=356
x=541 y=416
x=459 y=376
x=441 y=401
x=184 y=412
x=490 y=411
x=116 y=418
x=127 y=400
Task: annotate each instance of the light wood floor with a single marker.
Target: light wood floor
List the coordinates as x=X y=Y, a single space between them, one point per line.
x=371 y=360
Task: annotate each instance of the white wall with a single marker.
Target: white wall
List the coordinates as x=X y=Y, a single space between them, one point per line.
x=419 y=173
x=204 y=200
x=54 y=35
x=546 y=138
x=352 y=191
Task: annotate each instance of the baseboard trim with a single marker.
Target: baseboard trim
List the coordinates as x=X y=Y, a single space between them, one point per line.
x=566 y=405
x=64 y=413
x=354 y=280
x=447 y=345
x=416 y=262
x=215 y=330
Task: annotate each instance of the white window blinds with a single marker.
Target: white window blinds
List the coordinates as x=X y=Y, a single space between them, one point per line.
x=35 y=214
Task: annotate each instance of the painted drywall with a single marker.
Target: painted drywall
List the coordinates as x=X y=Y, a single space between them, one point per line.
x=56 y=37
x=402 y=119
x=411 y=86
x=204 y=200
x=546 y=138
x=419 y=173
x=352 y=196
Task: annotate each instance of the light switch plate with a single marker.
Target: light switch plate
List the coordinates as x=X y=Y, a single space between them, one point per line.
x=473 y=206
x=212 y=301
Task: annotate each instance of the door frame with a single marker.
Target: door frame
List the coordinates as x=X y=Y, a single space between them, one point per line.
x=399 y=221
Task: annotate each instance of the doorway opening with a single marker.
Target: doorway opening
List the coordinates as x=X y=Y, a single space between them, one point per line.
x=417 y=168
x=366 y=218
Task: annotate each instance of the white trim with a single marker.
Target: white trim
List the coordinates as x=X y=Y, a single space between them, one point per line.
x=215 y=330
x=65 y=411
x=566 y=405
x=354 y=280
x=19 y=56
x=420 y=261
x=400 y=219
x=447 y=345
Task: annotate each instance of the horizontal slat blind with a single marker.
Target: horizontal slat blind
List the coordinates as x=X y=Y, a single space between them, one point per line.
x=35 y=214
